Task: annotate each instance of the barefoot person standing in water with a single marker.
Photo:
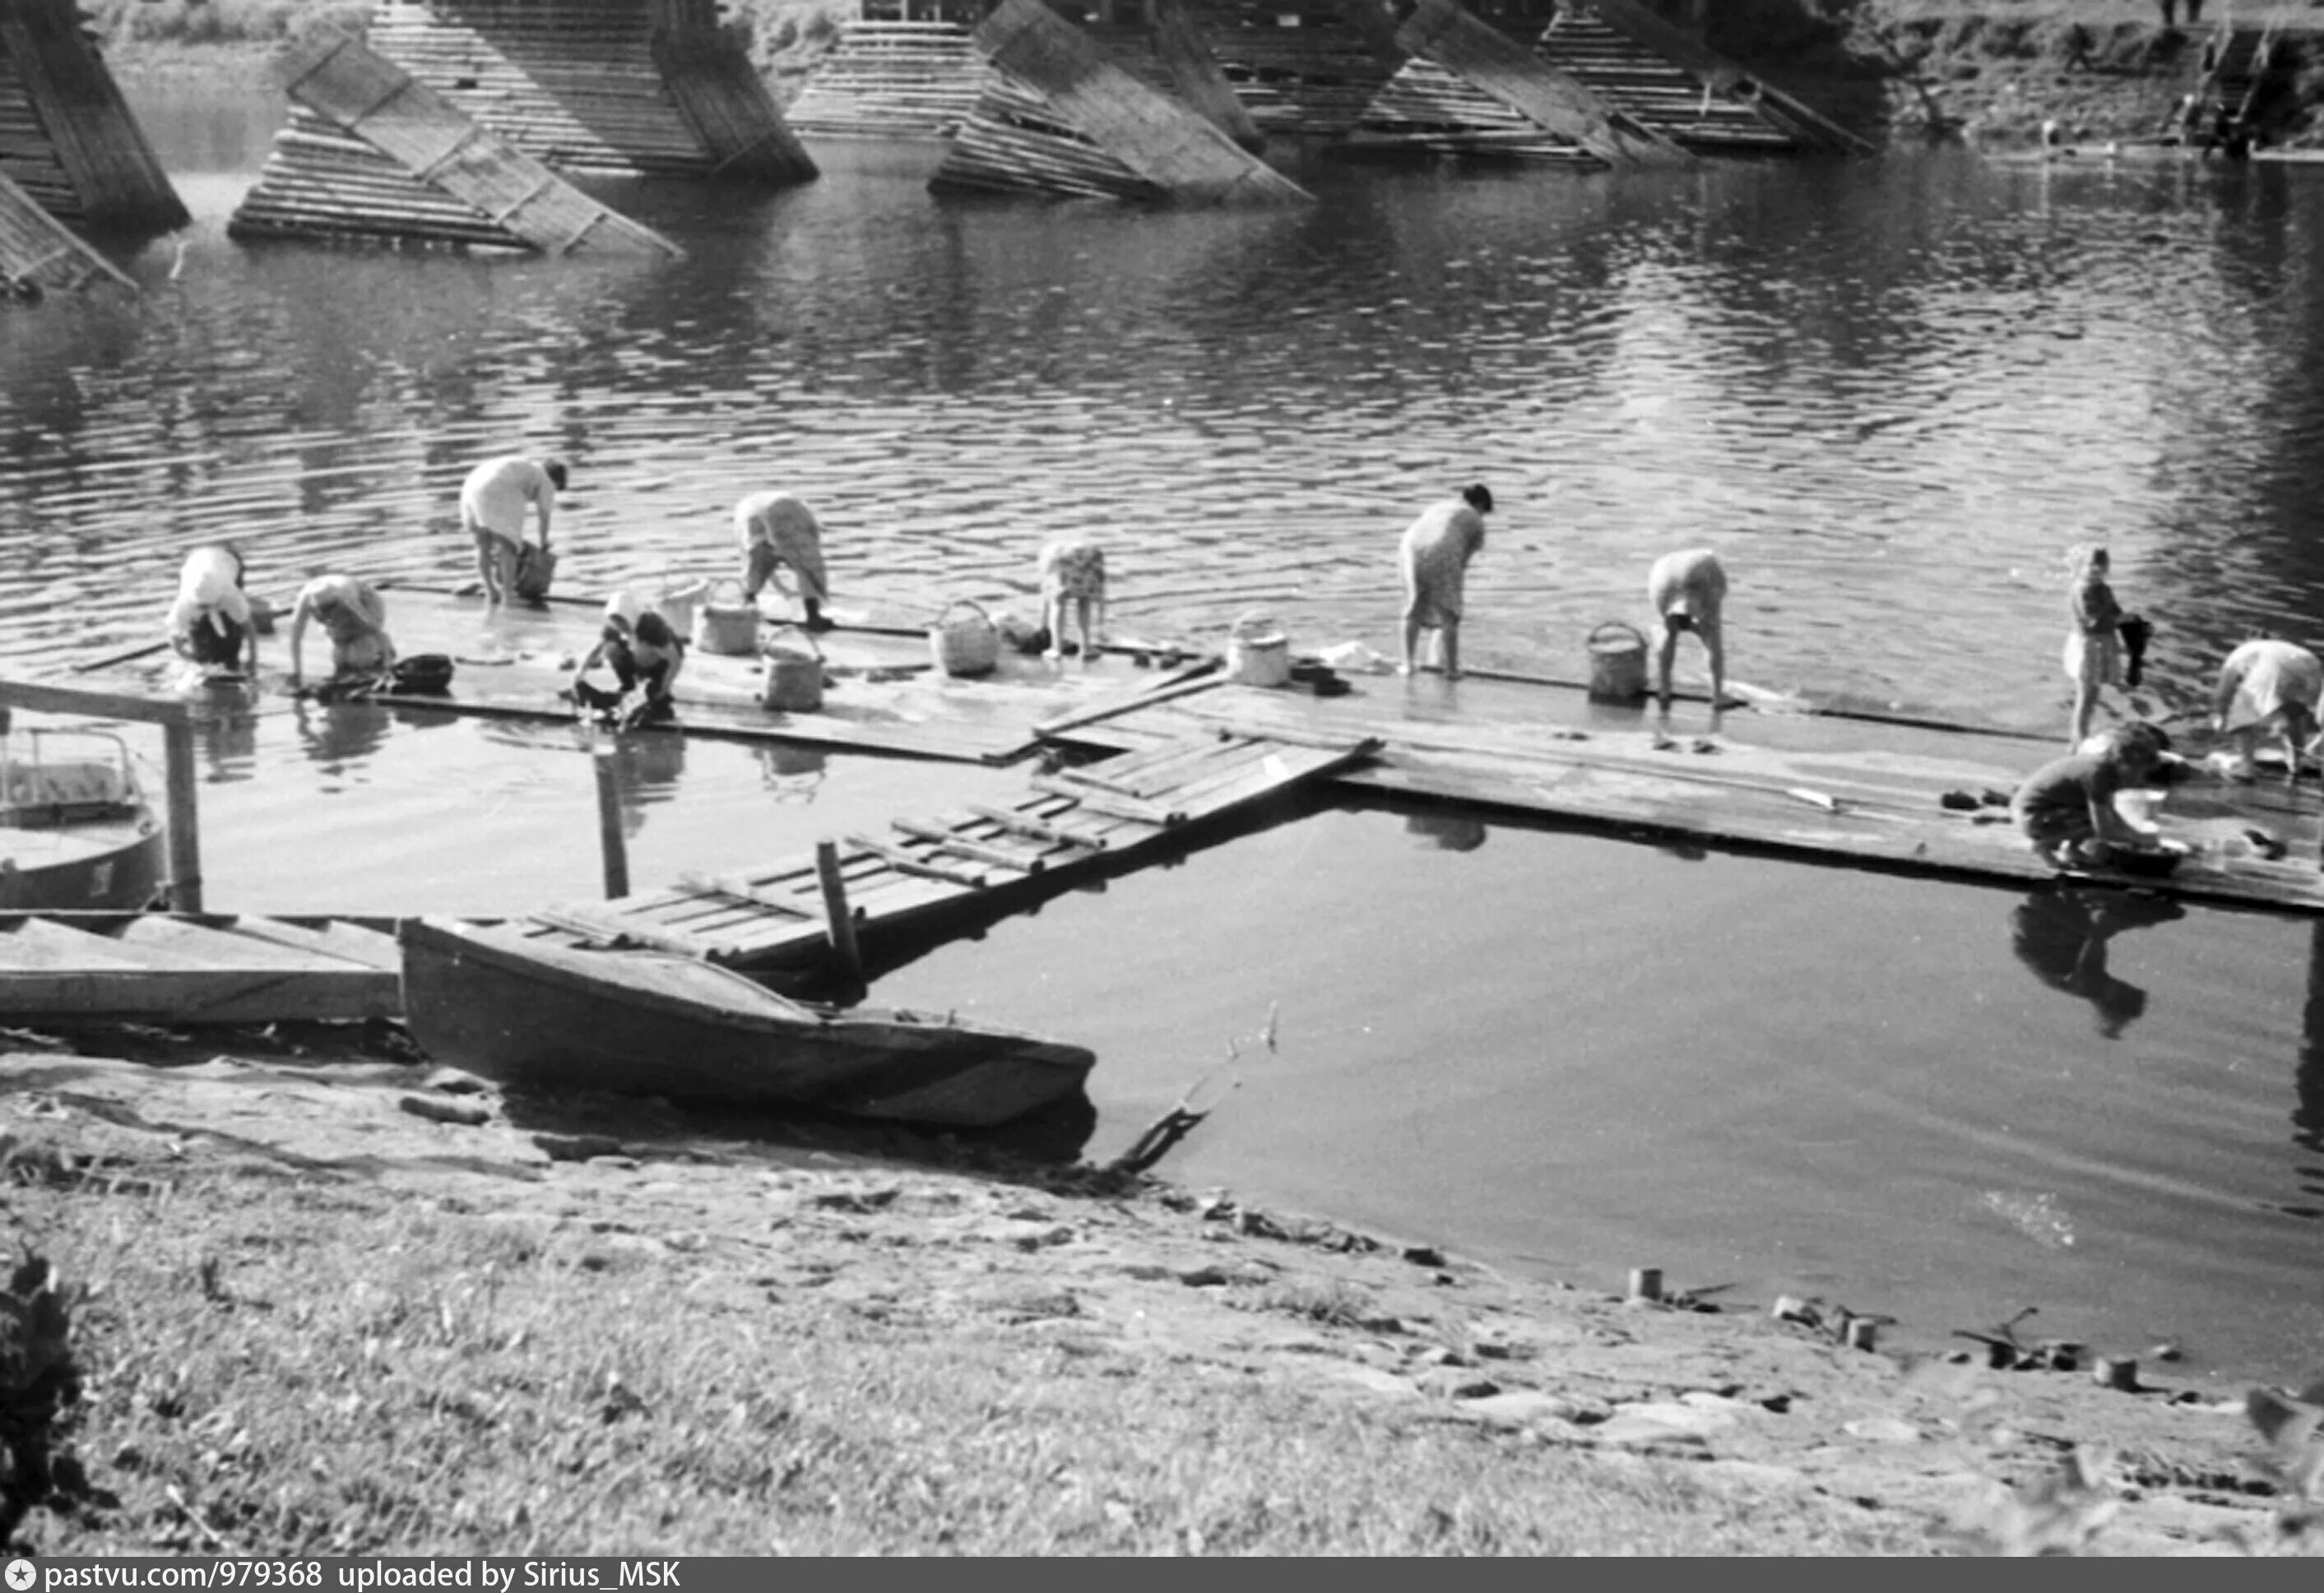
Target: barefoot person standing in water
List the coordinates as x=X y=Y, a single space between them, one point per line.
x=1434 y=556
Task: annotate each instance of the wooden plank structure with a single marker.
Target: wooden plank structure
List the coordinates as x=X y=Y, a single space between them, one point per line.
x=1300 y=67
x=194 y=968
x=1655 y=72
x=66 y=135
x=1060 y=119
x=1861 y=791
x=40 y=255
x=378 y=156
x=620 y=87
x=971 y=865
x=1526 y=89
x=896 y=73
x=1162 y=43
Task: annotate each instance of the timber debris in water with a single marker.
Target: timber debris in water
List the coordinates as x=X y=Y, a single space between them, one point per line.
x=373 y=155
x=66 y=135
x=1058 y=117
x=40 y=255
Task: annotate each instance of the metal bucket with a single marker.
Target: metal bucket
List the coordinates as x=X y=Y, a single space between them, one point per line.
x=1617 y=663
x=793 y=682
x=1258 y=651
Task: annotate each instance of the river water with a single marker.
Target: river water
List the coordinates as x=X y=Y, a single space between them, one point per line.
x=1892 y=393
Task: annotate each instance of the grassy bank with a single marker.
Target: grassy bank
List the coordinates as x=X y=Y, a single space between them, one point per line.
x=306 y=1314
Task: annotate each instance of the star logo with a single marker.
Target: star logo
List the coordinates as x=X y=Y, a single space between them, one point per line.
x=21 y=1575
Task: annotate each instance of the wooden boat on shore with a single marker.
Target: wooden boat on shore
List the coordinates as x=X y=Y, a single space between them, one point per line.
x=185 y=969
x=75 y=832
x=538 y=1015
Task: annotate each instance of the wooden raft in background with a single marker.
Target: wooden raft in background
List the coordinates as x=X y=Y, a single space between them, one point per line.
x=65 y=131
x=38 y=249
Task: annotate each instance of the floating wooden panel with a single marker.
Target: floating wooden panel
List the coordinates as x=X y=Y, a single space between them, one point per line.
x=1425 y=109
x=1172 y=149
x=41 y=254
x=1509 y=72
x=101 y=154
x=503 y=196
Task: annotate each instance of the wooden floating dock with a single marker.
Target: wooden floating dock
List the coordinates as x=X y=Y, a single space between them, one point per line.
x=200 y=968
x=617 y=88
x=971 y=865
x=380 y=157
x=892 y=78
x=66 y=138
x=41 y=254
x=1058 y=117
x=1859 y=791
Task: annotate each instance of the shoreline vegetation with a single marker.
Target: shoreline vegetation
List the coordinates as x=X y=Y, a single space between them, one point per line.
x=1979 y=71
x=315 y=1297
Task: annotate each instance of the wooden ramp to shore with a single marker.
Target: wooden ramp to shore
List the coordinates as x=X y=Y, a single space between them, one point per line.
x=1058 y=117
x=969 y=865
x=373 y=155
x=41 y=254
x=200 y=968
x=1859 y=791
x=66 y=134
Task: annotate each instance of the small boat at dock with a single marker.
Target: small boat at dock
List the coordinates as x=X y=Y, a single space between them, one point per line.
x=75 y=831
x=533 y=1013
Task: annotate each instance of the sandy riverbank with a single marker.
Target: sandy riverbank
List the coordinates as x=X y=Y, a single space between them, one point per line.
x=326 y=1320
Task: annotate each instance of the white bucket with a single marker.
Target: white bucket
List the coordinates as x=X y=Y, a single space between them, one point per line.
x=677 y=602
x=1617 y=663
x=793 y=683
x=1258 y=651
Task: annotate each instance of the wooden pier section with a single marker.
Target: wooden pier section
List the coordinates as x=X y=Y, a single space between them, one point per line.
x=194 y=968
x=891 y=77
x=373 y=155
x=1058 y=117
x=971 y=865
x=617 y=88
x=40 y=255
x=66 y=138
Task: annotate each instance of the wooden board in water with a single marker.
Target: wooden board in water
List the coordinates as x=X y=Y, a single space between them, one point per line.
x=1854 y=790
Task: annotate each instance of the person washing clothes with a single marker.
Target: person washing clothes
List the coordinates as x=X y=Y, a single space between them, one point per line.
x=493 y=504
x=1689 y=592
x=645 y=656
x=1434 y=556
x=210 y=623
x=774 y=530
x=2268 y=686
x=353 y=616
x=2065 y=809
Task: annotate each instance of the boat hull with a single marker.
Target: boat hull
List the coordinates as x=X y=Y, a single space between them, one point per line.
x=112 y=866
x=550 y=1018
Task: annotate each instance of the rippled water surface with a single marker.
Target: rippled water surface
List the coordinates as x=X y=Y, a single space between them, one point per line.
x=1892 y=393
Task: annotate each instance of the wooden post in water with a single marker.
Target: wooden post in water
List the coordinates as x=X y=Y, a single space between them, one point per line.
x=836 y=911
x=177 y=750
x=609 y=843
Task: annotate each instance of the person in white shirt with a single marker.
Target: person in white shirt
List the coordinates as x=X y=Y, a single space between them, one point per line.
x=210 y=621
x=353 y=616
x=2268 y=686
x=493 y=502
x=1688 y=590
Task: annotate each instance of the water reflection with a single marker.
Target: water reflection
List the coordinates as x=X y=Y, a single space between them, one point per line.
x=791 y=773
x=647 y=768
x=225 y=734
x=1449 y=832
x=340 y=736
x=2060 y=936
x=2308 y=1080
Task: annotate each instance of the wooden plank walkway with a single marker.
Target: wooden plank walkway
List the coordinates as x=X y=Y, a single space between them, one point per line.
x=369 y=99
x=1855 y=791
x=203 y=967
x=972 y=865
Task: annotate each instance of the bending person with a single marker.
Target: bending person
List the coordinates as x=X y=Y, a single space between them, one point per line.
x=493 y=504
x=2065 y=809
x=1688 y=591
x=1072 y=571
x=645 y=656
x=2267 y=686
x=1434 y=556
x=774 y=530
x=210 y=623
x=353 y=616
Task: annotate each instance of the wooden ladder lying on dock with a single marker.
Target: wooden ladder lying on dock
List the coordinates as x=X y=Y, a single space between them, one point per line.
x=197 y=968
x=979 y=860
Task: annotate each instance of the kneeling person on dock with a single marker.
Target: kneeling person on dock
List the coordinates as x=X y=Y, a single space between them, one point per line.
x=493 y=504
x=645 y=656
x=1434 y=557
x=210 y=623
x=353 y=616
x=2065 y=809
x=774 y=530
x=1689 y=592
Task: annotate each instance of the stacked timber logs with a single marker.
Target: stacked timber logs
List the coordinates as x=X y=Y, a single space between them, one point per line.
x=40 y=255
x=892 y=80
x=1055 y=93
x=1425 y=109
x=1701 y=113
x=1297 y=69
x=66 y=135
x=371 y=154
x=625 y=87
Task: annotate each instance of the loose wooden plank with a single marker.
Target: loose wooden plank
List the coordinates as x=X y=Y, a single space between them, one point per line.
x=614 y=926
x=898 y=858
x=1038 y=829
x=1105 y=802
x=950 y=840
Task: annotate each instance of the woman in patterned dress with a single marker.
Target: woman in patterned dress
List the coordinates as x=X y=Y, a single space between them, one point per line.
x=1074 y=571
x=1435 y=554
